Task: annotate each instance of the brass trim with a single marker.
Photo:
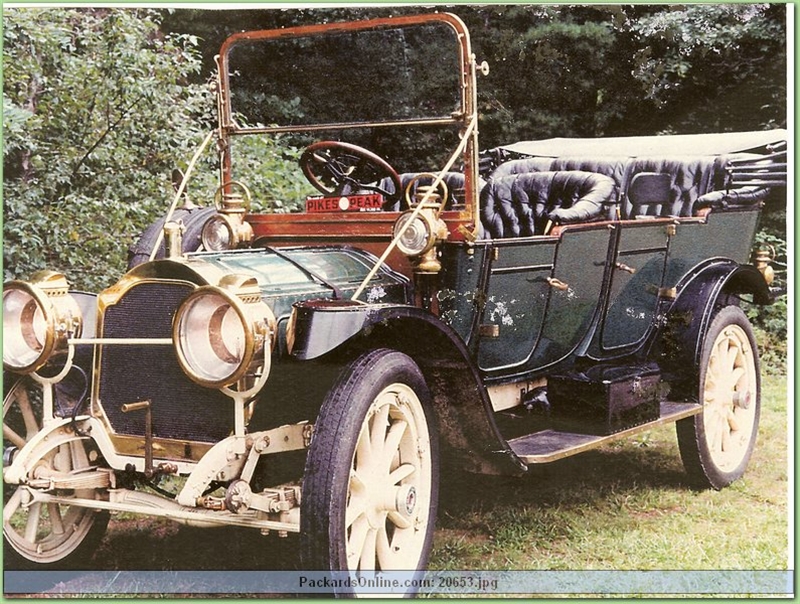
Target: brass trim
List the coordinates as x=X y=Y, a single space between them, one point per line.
x=489 y=331
x=163 y=448
x=668 y=293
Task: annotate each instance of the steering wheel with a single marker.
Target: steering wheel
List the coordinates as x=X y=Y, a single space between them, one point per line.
x=337 y=168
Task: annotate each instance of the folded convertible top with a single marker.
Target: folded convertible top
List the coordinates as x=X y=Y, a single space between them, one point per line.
x=647 y=146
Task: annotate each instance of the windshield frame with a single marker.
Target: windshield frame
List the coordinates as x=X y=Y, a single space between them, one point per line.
x=460 y=119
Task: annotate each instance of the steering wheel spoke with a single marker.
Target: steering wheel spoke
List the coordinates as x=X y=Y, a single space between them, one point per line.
x=336 y=168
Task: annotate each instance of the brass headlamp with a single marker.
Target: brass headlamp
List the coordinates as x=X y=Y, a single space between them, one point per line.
x=223 y=332
x=39 y=318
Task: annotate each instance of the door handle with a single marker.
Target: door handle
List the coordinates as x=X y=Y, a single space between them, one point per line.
x=556 y=284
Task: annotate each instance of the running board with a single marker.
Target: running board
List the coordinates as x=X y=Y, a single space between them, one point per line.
x=552 y=445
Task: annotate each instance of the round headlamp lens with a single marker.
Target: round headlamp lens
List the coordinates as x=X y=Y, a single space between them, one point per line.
x=25 y=330
x=218 y=235
x=417 y=238
x=212 y=339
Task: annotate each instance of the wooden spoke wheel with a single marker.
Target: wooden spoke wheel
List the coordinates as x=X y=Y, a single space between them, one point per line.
x=716 y=445
x=37 y=534
x=371 y=486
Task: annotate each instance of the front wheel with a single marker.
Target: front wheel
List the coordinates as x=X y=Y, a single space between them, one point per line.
x=716 y=444
x=51 y=535
x=370 y=490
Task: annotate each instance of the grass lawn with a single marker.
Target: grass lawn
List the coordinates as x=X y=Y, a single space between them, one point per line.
x=625 y=507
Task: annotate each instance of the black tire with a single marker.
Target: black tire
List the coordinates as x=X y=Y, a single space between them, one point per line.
x=716 y=445
x=380 y=386
x=73 y=540
x=193 y=221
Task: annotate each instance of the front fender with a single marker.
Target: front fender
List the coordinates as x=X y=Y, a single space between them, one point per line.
x=462 y=405
x=679 y=341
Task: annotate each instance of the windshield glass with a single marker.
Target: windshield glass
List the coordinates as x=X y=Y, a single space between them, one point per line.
x=346 y=77
x=392 y=95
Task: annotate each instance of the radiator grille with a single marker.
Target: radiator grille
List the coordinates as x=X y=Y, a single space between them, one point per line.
x=181 y=409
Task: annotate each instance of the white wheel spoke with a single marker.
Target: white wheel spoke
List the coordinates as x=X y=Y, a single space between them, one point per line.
x=383 y=549
x=715 y=436
x=355 y=543
x=368 y=552
x=13 y=437
x=26 y=409
x=80 y=459
x=393 y=438
x=364 y=448
x=401 y=473
x=12 y=505
x=733 y=351
x=356 y=508
x=733 y=423
x=56 y=522
x=722 y=350
x=379 y=424
x=736 y=375
x=725 y=439
x=32 y=526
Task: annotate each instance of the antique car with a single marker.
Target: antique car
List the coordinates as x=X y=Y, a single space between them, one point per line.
x=311 y=367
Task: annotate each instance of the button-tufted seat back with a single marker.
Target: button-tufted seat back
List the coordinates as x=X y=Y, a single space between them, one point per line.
x=689 y=178
x=521 y=205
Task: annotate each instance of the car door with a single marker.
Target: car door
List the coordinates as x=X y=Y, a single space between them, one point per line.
x=636 y=280
x=514 y=301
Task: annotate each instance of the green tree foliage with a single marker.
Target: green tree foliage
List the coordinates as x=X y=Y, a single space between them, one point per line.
x=713 y=68
x=97 y=109
x=99 y=105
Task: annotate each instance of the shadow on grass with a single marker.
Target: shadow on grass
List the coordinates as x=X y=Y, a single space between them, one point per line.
x=584 y=479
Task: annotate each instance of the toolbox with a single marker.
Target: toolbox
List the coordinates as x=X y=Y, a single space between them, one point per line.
x=604 y=400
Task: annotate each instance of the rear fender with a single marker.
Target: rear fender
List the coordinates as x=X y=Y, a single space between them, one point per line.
x=462 y=405
x=679 y=341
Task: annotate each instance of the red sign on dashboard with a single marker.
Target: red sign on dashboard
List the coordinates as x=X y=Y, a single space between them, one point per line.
x=372 y=202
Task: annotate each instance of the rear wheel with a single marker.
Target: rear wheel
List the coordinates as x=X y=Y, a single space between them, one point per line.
x=716 y=445
x=38 y=534
x=370 y=490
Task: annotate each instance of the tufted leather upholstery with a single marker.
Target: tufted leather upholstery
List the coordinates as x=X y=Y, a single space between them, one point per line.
x=744 y=196
x=690 y=177
x=521 y=166
x=694 y=182
x=611 y=166
x=521 y=205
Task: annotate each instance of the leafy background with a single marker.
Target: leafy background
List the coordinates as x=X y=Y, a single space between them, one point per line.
x=100 y=104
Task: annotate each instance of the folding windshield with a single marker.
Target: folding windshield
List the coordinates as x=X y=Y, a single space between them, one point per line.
x=314 y=114
x=333 y=77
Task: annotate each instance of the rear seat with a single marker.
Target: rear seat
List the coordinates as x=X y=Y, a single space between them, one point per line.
x=692 y=179
x=524 y=204
x=689 y=178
